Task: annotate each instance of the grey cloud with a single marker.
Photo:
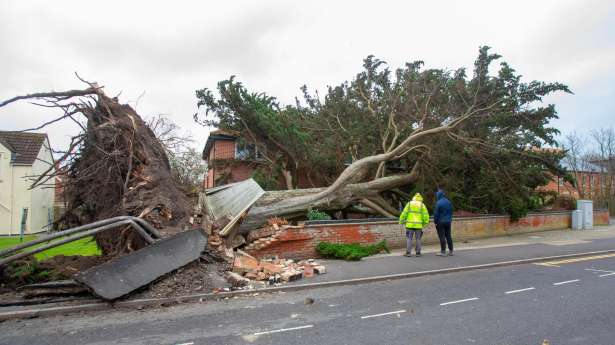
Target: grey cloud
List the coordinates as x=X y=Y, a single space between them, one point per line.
x=169 y=49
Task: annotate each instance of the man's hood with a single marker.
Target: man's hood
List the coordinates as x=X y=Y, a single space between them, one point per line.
x=439 y=194
x=417 y=197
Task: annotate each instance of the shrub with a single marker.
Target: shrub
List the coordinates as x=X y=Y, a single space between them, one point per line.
x=351 y=252
x=318 y=215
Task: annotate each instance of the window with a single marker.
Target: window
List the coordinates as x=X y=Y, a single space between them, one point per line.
x=246 y=151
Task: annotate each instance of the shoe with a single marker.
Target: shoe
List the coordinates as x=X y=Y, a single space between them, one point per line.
x=418 y=254
x=408 y=255
x=441 y=254
x=450 y=253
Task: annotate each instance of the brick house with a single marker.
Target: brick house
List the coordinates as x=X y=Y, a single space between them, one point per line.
x=229 y=158
x=591 y=180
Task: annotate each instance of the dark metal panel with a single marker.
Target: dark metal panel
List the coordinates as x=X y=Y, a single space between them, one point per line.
x=119 y=277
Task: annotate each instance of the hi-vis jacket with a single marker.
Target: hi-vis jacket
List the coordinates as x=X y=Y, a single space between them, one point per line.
x=415 y=215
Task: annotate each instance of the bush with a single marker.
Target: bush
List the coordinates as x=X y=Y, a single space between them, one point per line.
x=318 y=215
x=517 y=209
x=351 y=252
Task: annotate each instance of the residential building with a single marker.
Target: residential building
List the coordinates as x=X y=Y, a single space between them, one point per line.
x=23 y=157
x=592 y=182
x=229 y=158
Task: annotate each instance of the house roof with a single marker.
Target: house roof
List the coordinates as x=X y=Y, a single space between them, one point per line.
x=583 y=166
x=24 y=146
x=218 y=134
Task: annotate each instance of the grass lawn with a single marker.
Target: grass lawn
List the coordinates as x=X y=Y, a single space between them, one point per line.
x=85 y=246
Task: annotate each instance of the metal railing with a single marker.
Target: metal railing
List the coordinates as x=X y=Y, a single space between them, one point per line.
x=148 y=232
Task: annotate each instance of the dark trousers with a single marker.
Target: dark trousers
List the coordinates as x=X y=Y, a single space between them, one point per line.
x=444 y=233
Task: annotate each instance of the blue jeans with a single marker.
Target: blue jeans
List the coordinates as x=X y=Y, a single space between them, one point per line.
x=416 y=233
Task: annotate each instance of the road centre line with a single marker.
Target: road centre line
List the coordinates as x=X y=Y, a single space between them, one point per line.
x=596 y=270
x=606 y=275
x=384 y=314
x=520 y=290
x=566 y=282
x=284 y=330
x=460 y=301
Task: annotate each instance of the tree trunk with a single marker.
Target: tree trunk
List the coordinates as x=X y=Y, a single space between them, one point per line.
x=296 y=202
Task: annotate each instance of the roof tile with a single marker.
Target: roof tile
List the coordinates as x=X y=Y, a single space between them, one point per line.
x=26 y=146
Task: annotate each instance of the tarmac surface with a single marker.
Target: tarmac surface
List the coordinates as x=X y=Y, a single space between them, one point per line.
x=565 y=301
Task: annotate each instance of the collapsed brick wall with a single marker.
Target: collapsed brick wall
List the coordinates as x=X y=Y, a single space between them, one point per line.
x=300 y=242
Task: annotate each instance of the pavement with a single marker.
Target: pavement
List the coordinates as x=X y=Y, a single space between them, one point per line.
x=564 y=301
x=471 y=253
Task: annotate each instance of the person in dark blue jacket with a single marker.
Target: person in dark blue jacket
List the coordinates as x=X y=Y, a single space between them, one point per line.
x=443 y=216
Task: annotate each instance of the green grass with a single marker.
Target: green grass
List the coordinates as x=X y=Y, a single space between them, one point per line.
x=84 y=247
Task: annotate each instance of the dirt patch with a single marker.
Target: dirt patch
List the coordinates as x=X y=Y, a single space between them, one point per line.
x=194 y=278
x=67 y=266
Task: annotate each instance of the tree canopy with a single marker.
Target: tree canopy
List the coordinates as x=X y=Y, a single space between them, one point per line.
x=488 y=157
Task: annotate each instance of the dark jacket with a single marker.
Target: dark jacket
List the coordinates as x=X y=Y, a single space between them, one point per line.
x=443 y=212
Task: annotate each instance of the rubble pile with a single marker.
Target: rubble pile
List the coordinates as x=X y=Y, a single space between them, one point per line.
x=250 y=273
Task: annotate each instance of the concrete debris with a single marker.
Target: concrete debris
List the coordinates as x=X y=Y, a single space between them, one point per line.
x=238 y=241
x=236 y=280
x=272 y=271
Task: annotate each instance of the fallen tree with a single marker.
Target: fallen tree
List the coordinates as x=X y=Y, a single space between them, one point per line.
x=439 y=128
x=342 y=193
x=115 y=166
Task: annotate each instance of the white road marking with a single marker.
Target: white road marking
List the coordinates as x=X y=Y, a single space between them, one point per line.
x=566 y=282
x=460 y=301
x=520 y=290
x=606 y=275
x=283 y=330
x=595 y=270
x=190 y=343
x=383 y=314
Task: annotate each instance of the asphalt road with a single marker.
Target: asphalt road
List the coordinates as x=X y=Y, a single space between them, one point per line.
x=565 y=302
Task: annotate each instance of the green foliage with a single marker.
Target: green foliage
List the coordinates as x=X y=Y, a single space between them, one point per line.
x=318 y=215
x=28 y=271
x=517 y=208
x=491 y=163
x=266 y=180
x=350 y=252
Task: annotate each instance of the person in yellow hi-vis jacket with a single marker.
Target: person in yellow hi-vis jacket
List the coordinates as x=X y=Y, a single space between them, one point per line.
x=414 y=218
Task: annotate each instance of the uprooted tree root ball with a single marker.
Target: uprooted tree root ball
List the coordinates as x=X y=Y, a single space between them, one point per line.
x=115 y=166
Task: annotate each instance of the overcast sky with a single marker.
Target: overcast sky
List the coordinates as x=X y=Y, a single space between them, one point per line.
x=166 y=51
